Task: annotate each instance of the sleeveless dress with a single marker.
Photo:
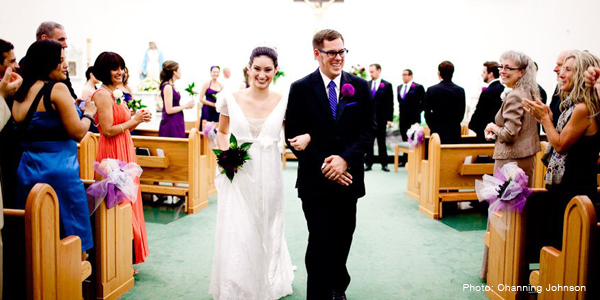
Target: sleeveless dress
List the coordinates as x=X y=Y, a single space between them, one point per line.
x=50 y=156
x=251 y=260
x=171 y=125
x=121 y=147
x=210 y=113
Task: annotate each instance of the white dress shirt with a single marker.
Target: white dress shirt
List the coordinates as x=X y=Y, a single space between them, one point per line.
x=407 y=87
x=337 y=81
x=377 y=83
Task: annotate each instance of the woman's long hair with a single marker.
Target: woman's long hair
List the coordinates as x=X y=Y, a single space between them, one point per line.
x=42 y=57
x=528 y=82
x=580 y=93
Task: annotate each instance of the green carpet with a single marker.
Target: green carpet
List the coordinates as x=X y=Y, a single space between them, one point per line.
x=397 y=252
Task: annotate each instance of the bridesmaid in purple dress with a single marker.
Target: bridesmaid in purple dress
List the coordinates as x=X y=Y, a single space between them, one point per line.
x=172 y=123
x=208 y=96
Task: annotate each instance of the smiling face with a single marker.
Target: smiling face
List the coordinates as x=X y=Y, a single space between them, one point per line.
x=117 y=75
x=566 y=75
x=60 y=36
x=60 y=72
x=214 y=73
x=507 y=76
x=9 y=60
x=262 y=71
x=331 y=67
x=559 y=63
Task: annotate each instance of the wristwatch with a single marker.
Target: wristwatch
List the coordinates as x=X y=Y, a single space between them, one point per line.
x=89 y=117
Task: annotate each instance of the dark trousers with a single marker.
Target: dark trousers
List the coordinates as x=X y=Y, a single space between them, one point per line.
x=380 y=137
x=331 y=223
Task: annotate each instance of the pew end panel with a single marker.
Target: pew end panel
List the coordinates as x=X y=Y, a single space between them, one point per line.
x=87 y=149
x=54 y=267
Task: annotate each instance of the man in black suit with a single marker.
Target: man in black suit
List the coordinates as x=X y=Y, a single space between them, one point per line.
x=411 y=98
x=445 y=106
x=383 y=95
x=555 y=103
x=337 y=110
x=489 y=101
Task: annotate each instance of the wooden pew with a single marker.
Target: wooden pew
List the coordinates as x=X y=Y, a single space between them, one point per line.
x=86 y=153
x=570 y=267
x=54 y=266
x=183 y=163
x=436 y=181
x=540 y=168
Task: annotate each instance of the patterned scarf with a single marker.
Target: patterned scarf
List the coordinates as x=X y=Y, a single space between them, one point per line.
x=556 y=166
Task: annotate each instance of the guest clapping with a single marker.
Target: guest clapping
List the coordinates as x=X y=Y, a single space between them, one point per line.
x=208 y=96
x=575 y=141
x=172 y=123
x=515 y=132
x=49 y=125
x=115 y=139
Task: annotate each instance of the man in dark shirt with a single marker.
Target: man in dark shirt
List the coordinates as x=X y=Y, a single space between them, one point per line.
x=445 y=106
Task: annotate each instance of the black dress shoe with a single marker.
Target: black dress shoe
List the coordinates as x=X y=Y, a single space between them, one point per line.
x=368 y=168
x=385 y=169
x=338 y=296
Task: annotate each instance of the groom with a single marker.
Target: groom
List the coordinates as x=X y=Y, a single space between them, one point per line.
x=337 y=110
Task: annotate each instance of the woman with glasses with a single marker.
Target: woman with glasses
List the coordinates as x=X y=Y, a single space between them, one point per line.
x=515 y=132
x=574 y=142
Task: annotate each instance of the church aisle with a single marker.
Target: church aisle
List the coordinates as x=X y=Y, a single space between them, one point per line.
x=397 y=252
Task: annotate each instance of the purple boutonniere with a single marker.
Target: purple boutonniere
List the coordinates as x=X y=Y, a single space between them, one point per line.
x=484 y=89
x=381 y=85
x=348 y=90
x=412 y=85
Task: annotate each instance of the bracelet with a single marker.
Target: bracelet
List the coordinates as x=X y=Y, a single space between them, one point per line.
x=122 y=130
x=88 y=116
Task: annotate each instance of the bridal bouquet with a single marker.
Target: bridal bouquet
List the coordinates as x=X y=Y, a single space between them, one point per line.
x=505 y=191
x=415 y=135
x=278 y=75
x=359 y=71
x=232 y=159
x=118 y=183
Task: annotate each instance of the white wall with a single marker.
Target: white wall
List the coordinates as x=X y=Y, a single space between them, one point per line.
x=396 y=34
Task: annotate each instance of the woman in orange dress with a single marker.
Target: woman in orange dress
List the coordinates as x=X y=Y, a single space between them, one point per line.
x=115 y=124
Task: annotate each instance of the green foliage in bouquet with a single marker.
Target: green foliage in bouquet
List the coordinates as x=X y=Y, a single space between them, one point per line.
x=191 y=89
x=232 y=159
x=359 y=71
x=135 y=104
x=277 y=75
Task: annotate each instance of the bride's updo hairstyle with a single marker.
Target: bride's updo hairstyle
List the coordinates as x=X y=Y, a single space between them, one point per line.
x=266 y=51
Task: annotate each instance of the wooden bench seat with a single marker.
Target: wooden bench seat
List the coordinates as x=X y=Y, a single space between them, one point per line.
x=183 y=162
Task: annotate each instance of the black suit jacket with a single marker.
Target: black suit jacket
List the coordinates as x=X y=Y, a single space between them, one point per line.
x=487 y=107
x=444 y=110
x=349 y=136
x=543 y=95
x=384 y=102
x=555 y=106
x=411 y=106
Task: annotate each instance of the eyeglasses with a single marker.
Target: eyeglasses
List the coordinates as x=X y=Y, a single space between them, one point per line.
x=507 y=68
x=333 y=54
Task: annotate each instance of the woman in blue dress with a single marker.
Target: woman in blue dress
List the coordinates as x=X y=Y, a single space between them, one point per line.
x=49 y=125
x=208 y=96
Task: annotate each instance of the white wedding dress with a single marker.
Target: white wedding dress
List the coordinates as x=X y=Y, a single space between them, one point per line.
x=251 y=259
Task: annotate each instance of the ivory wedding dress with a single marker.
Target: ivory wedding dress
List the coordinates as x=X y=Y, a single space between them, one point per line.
x=251 y=259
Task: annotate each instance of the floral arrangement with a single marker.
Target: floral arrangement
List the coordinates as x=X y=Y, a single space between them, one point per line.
x=118 y=183
x=359 y=71
x=505 y=191
x=232 y=159
x=210 y=131
x=415 y=135
x=149 y=85
x=135 y=104
x=277 y=75
x=348 y=90
x=192 y=89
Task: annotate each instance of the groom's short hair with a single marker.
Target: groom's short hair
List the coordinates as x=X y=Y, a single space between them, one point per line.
x=325 y=35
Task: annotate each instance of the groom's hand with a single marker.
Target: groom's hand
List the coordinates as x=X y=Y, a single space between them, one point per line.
x=335 y=170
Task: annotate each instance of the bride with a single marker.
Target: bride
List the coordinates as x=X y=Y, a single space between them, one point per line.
x=251 y=259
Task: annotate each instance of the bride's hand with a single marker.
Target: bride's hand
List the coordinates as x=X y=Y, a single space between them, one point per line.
x=299 y=143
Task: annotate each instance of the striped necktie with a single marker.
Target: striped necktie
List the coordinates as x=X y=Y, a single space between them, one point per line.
x=333 y=99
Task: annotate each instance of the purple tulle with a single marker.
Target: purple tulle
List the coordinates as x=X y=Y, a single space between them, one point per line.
x=415 y=135
x=119 y=183
x=507 y=189
x=348 y=90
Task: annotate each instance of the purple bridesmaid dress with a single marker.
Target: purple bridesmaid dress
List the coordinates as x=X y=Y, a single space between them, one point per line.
x=171 y=125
